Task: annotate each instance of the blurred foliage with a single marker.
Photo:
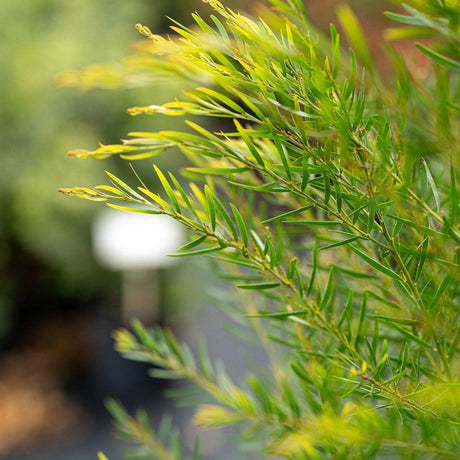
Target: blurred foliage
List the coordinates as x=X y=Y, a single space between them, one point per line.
x=45 y=240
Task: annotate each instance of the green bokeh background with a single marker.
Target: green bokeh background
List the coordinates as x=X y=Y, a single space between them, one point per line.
x=45 y=238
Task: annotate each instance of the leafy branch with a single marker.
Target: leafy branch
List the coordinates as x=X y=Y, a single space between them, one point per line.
x=323 y=197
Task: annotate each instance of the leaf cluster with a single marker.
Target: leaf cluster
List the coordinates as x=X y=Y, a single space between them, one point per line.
x=317 y=202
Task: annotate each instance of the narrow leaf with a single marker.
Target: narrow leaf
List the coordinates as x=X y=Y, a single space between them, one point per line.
x=241 y=224
x=339 y=243
x=248 y=141
x=211 y=206
x=198 y=252
x=377 y=265
x=258 y=286
x=192 y=244
x=169 y=191
x=218 y=171
x=129 y=209
x=439 y=58
x=314 y=268
x=286 y=214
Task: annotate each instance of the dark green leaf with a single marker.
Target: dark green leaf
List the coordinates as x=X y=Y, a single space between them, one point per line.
x=377 y=265
x=241 y=224
x=193 y=243
x=286 y=214
x=198 y=252
x=258 y=286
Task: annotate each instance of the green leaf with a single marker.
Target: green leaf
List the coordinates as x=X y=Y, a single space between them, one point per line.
x=405 y=19
x=409 y=335
x=398 y=376
x=281 y=150
x=282 y=315
x=257 y=241
x=157 y=199
x=314 y=268
x=404 y=33
x=438 y=57
x=411 y=224
x=421 y=262
x=269 y=187
x=236 y=261
x=248 y=102
x=223 y=214
x=454 y=198
x=359 y=335
x=130 y=209
x=347 y=314
x=383 y=300
x=355 y=273
x=222 y=98
x=183 y=195
x=351 y=84
x=241 y=224
x=383 y=359
x=143 y=156
x=403 y=321
x=169 y=191
x=193 y=243
x=311 y=223
x=124 y=186
x=286 y=214
x=339 y=243
x=110 y=189
x=442 y=288
x=375 y=342
x=432 y=184
x=248 y=141
x=270 y=249
x=377 y=265
x=329 y=292
x=305 y=173
x=405 y=355
x=336 y=51
x=211 y=137
x=338 y=195
x=116 y=409
x=220 y=27
x=218 y=171
x=260 y=286
x=211 y=206
x=327 y=188
x=198 y=252
x=371 y=218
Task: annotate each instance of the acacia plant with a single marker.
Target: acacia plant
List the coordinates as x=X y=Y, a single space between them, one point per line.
x=328 y=198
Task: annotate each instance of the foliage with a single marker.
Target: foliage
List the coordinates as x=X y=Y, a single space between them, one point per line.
x=329 y=198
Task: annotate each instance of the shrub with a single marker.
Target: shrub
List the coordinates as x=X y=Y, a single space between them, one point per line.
x=329 y=198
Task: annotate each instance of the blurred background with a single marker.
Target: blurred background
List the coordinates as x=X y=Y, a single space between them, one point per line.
x=59 y=300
